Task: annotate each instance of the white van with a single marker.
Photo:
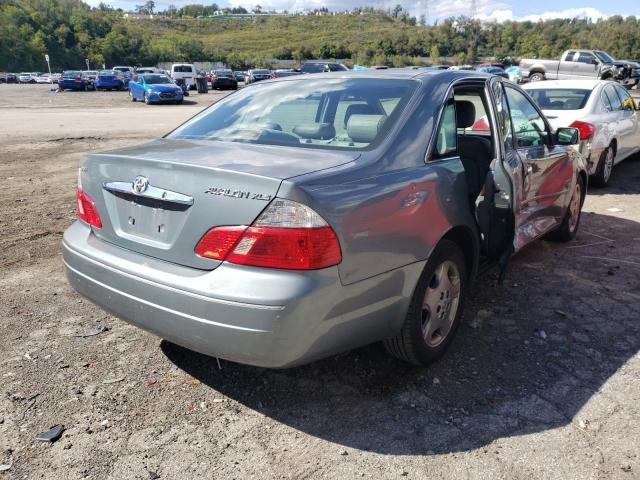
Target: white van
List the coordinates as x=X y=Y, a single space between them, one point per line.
x=185 y=71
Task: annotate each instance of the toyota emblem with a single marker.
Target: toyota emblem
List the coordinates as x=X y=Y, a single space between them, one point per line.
x=140 y=184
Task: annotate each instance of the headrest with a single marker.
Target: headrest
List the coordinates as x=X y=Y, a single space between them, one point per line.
x=364 y=128
x=358 y=109
x=315 y=131
x=465 y=113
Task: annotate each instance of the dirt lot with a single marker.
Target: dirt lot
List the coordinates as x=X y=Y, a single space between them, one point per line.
x=543 y=380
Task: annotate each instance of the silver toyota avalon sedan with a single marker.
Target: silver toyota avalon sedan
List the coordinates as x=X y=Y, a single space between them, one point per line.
x=310 y=215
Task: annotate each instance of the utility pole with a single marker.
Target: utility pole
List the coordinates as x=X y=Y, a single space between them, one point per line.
x=473 y=11
x=426 y=12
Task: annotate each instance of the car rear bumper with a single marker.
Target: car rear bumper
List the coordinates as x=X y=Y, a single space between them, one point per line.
x=104 y=84
x=263 y=317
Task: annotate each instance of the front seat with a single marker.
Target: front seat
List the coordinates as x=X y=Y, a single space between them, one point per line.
x=474 y=151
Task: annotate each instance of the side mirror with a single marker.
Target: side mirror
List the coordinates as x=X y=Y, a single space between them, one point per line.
x=595 y=61
x=566 y=136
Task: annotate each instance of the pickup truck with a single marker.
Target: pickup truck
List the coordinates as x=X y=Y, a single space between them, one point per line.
x=581 y=64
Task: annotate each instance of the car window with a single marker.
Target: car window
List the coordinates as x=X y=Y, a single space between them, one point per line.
x=313 y=67
x=182 y=69
x=614 y=100
x=585 y=57
x=303 y=113
x=502 y=114
x=446 y=135
x=560 y=98
x=627 y=101
x=481 y=122
x=528 y=126
x=570 y=55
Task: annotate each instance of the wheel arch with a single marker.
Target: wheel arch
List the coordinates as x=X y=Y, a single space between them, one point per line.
x=467 y=240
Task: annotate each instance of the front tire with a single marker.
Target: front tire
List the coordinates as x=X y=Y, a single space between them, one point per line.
x=147 y=100
x=435 y=310
x=569 y=227
x=605 y=166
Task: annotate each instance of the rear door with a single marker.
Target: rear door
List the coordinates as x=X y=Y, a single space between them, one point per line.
x=566 y=66
x=547 y=170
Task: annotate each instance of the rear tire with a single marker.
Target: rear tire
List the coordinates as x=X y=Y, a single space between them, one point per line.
x=569 y=227
x=133 y=99
x=605 y=166
x=435 y=310
x=536 y=77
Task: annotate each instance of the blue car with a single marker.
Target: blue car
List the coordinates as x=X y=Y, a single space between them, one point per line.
x=111 y=80
x=74 y=80
x=155 y=88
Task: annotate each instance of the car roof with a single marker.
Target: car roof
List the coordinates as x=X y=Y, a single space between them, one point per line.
x=585 y=84
x=407 y=73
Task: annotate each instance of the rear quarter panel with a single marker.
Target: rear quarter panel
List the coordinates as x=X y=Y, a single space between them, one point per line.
x=389 y=208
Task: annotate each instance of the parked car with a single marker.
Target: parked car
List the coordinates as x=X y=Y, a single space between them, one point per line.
x=321 y=66
x=239 y=75
x=74 y=80
x=55 y=77
x=141 y=70
x=223 y=79
x=126 y=70
x=111 y=80
x=8 y=78
x=285 y=72
x=186 y=72
x=603 y=112
x=514 y=74
x=44 y=78
x=578 y=64
x=256 y=75
x=303 y=217
x=28 y=77
x=155 y=88
x=494 y=71
x=92 y=76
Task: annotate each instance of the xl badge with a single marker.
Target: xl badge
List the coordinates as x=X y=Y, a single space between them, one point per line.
x=140 y=184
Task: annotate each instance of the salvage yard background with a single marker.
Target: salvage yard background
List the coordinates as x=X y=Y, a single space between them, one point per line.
x=542 y=381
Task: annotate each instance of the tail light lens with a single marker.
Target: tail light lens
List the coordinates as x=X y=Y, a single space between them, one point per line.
x=86 y=209
x=287 y=235
x=586 y=129
x=85 y=206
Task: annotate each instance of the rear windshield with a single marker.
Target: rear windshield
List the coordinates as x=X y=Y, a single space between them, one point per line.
x=156 y=79
x=349 y=114
x=222 y=73
x=183 y=68
x=71 y=74
x=261 y=72
x=109 y=73
x=560 y=98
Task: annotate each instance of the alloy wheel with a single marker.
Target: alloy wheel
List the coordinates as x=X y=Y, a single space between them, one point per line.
x=574 y=207
x=440 y=304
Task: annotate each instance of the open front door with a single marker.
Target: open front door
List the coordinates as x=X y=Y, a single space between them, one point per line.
x=495 y=204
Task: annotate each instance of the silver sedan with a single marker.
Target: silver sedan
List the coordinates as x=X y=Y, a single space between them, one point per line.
x=603 y=112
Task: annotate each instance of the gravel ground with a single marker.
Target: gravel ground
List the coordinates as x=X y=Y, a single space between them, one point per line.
x=542 y=381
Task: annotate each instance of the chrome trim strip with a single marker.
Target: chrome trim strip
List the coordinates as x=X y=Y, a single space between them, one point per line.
x=153 y=193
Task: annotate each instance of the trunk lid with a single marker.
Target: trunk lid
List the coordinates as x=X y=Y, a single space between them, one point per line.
x=160 y=198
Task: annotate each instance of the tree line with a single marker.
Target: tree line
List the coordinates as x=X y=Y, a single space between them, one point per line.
x=70 y=31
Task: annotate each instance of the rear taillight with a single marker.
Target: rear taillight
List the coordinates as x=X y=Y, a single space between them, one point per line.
x=586 y=129
x=85 y=206
x=287 y=235
x=86 y=209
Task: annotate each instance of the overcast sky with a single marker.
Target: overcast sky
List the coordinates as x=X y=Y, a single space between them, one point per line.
x=435 y=9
